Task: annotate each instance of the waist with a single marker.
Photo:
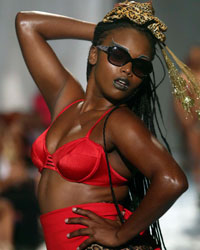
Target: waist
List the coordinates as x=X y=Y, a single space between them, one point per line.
x=100 y=208
x=55 y=193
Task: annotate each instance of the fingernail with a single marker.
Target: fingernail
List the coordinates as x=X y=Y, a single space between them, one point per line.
x=74 y=209
x=66 y=220
x=68 y=235
x=78 y=248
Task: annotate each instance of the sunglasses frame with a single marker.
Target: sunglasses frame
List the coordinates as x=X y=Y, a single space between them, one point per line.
x=108 y=51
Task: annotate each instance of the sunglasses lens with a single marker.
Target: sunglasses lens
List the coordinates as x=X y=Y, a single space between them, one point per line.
x=118 y=56
x=142 y=67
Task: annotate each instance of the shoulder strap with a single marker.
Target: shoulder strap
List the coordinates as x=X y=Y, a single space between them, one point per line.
x=90 y=131
x=68 y=106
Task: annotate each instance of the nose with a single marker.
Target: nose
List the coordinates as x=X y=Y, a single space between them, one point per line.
x=127 y=68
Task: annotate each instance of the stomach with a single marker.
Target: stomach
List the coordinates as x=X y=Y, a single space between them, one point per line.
x=55 y=192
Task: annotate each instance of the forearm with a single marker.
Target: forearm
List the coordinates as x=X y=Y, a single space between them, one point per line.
x=51 y=26
x=161 y=195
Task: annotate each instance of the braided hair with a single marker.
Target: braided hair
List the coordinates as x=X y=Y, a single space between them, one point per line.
x=144 y=103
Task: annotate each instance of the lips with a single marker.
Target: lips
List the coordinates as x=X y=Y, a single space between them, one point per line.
x=121 y=84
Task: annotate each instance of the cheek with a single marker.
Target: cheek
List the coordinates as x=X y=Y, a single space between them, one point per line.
x=104 y=70
x=105 y=73
x=136 y=82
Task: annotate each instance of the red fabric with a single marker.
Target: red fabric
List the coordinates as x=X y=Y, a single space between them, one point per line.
x=80 y=160
x=55 y=229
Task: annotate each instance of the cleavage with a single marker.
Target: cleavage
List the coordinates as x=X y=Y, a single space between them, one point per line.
x=61 y=133
x=65 y=129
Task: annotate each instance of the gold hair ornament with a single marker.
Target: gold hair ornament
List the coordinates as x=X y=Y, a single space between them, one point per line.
x=139 y=13
x=186 y=91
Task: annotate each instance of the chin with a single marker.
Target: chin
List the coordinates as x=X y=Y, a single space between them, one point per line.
x=118 y=97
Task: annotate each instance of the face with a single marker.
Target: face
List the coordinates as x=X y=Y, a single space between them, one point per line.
x=114 y=81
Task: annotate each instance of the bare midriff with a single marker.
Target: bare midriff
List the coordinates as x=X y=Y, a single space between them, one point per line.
x=55 y=192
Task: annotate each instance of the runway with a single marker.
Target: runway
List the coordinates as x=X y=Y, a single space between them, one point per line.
x=181 y=224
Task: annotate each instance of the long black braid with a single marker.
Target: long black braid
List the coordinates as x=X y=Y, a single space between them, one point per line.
x=145 y=104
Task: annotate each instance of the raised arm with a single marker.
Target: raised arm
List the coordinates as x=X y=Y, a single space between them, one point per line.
x=56 y=84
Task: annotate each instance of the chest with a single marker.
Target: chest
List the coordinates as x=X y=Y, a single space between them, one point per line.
x=69 y=127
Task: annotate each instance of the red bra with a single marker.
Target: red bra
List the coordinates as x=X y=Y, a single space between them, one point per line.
x=81 y=160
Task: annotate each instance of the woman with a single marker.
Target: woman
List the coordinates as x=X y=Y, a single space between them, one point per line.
x=74 y=184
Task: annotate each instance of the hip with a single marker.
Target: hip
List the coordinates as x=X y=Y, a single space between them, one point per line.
x=55 y=229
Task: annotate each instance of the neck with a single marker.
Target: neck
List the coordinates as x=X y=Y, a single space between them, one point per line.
x=94 y=100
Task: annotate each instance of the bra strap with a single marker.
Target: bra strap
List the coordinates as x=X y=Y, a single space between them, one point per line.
x=90 y=131
x=68 y=106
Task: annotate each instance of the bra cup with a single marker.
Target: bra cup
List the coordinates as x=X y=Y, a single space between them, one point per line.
x=80 y=161
x=38 y=152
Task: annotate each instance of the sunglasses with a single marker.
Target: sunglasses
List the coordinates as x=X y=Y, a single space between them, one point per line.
x=119 y=57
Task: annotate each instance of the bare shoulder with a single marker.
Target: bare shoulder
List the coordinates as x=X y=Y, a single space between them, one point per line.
x=123 y=122
x=136 y=143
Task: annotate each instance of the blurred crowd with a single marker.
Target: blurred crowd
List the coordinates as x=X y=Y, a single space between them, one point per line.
x=19 y=212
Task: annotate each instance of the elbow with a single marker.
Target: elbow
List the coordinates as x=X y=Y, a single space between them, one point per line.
x=177 y=185
x=19 y=18
x=22 y=20
x=181 y=186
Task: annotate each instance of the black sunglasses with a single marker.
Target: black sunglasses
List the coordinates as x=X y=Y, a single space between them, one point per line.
x=119 y=57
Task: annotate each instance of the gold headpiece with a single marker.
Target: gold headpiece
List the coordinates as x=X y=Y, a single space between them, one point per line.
x=139 y=13
x=186 y=91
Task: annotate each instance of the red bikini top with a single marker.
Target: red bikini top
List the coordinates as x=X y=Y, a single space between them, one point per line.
x=81 y=160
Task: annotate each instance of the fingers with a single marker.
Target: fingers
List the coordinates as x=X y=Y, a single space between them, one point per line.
x=82 y=232
x=90 y=217
x=86 y=213
x=79 y=232
x=86 y=243
x=89 y=213
x=78 y=220
x=95 y=225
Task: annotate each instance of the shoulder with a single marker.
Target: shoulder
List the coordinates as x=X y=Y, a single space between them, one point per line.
x=123 y=122
x=129 y=134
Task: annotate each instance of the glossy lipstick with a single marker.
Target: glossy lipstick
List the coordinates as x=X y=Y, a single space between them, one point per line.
x=121 y=84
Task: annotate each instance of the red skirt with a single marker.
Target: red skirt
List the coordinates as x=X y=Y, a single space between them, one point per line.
x=55 y=229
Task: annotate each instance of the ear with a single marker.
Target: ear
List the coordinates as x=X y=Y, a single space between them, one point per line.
x=92 y=55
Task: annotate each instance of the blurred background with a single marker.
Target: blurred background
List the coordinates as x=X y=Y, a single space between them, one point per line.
x=23 y=116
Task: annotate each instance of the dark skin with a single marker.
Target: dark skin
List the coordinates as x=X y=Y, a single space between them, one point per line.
x=125 y=133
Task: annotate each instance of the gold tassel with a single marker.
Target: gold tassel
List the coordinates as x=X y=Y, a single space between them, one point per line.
x=186 y=91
